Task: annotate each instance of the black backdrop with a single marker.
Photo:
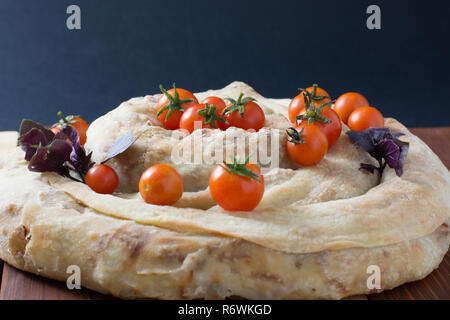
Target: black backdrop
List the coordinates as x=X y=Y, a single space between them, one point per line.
x=127 y=48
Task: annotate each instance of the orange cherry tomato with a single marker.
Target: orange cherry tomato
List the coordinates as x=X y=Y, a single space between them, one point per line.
x=331 y=130
x=55 y=130
x=349 y=102
x=253 y=116
x=365 y=117
x=74 y=121
x=175 y=105
x=217 y=102
x=81 y=126
x=234 y=192
x=161 y=185
x=297 y=105
x=306 y=145
x=102 y=179
x=201 y=116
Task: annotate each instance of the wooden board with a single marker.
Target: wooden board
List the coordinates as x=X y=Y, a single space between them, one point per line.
x=19 y=285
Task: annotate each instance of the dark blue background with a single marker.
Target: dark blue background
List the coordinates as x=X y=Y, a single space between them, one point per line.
x=127 y=48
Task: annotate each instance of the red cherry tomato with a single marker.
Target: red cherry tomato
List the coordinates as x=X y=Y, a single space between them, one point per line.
x=161 y=185
x=102 y=179
x=297 y=105
x=234 y=192
x=169 y=110
x=331 y=130
x=349 y=102
x=306 y=145
x=365 y=117
x=217 y=102
x=200 y=116
x=244 y=113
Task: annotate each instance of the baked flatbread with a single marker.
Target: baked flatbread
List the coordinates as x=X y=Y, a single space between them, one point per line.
x=313 y=235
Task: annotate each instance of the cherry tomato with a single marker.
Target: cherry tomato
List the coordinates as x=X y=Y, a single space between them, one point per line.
x=347 y=103
x=297 y=105
x=55 y=130
x=306 y=145
x=217 y=102
x=201 y=115
x=81 y=126
x=169 y=110
x=102 y=179
x=220 y=105
x=235 y=192
x=74 y=121
x=243 y=113
x=365 y=117
x=161 y=185
x=332 y=130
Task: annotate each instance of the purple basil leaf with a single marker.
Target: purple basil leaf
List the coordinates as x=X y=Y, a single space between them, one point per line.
x=363 y=139
x=72 y=134
x=381 y=144
x=30 y=140
x=52 y=158
x=397 y=134
x=27 y=125
x=389 y=151
x=122 y=144
x=378 y=134
x=368 y=167
x=404 y=147
x=78 y=158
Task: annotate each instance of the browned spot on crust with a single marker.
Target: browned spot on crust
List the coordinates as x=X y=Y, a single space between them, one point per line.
x=190 y=277
x=181 y=291
x=298 y=263
x=265 y=276
x=168 y=253
x=10 y=209
x=171 y=241
x=138 y=247
x=336 y=283
x=227 y=256
x=103 y=242
x=18 y=242
x=443 y=232
x=200 y=264
x=322 y=258
x=134 y=241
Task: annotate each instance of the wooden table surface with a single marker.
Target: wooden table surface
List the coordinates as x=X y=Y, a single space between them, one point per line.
x=19 y=285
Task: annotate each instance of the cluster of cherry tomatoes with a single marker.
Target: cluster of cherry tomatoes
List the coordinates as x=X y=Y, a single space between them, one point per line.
x=179 y=109
x=317 y=124
x=235 y=185
x=356 y=113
